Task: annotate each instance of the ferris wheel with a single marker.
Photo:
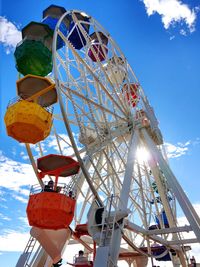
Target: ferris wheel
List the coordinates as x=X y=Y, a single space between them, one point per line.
x=126 y=194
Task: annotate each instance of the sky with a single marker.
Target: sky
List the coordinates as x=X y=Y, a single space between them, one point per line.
x=161 y=40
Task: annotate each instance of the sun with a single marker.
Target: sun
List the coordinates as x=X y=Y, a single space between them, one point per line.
x=142 y=154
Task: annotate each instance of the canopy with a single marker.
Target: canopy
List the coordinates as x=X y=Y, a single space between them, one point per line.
x=58 y=165
x=30 y=85
x=39 y=32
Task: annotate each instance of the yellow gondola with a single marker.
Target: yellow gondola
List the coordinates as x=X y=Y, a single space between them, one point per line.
x=28 y=122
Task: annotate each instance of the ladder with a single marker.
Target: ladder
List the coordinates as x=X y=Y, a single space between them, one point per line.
x=107 y=224
x=25 y=256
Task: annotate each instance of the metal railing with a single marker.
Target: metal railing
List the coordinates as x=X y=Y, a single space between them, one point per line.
x=18 y=99
x=61 y=188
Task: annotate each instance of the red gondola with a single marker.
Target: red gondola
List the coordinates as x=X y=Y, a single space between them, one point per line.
x=131 y=93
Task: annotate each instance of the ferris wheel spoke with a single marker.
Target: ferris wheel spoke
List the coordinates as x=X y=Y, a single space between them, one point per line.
x=114 y=172
x=97 y=162
x=101 y=67
x=84 y=204
x=97 y=80
x=96 y=105
x=87 y=38
x=82 y=115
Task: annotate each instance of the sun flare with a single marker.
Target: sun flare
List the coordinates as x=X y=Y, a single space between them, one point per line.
x=142 y=154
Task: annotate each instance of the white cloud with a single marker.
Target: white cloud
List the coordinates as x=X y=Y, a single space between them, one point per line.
x=2 y=193
x=175 y=151
x=21 y=199
x=23 y=155
x=24 y=192
x=9 y=34
x=50 y=145
x=183 y=32
x=65 y=144
x=172 y=12
x=15 y=175
x=197 y=141
x=3 y=206
x=4 y=217
x=24 y=220
x=7 y=244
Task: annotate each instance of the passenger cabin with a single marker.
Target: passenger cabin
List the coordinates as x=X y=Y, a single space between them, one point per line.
x=141 y=117
x=28 y=122
x=53 y=208
x=51 y=15
x=158 y=250
x=33 y=54
x=38 y=89
x=87 y=136
x=115 y=69
x=78 y=25
x=98 y=49
x=82 y=261
x=131 y=93
x=161 y=220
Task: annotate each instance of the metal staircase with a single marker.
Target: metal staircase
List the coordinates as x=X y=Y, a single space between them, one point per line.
x=26 y=255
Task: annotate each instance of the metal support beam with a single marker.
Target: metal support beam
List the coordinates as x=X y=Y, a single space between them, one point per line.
x=124 y=196
x=170 y=230
x=33 y=164
x=181 y=242
x=138 y=229
x=174 y=185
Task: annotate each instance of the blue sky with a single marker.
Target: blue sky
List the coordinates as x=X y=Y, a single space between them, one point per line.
x=161 y=41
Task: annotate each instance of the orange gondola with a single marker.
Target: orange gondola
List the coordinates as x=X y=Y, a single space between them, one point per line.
x=53 y=209
x=50 y=210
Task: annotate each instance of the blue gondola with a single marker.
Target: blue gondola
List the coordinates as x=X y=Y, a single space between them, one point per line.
x=160 y=250
x=164 y=220
x=51 y=15
x=51 y=22
x=75 y=36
